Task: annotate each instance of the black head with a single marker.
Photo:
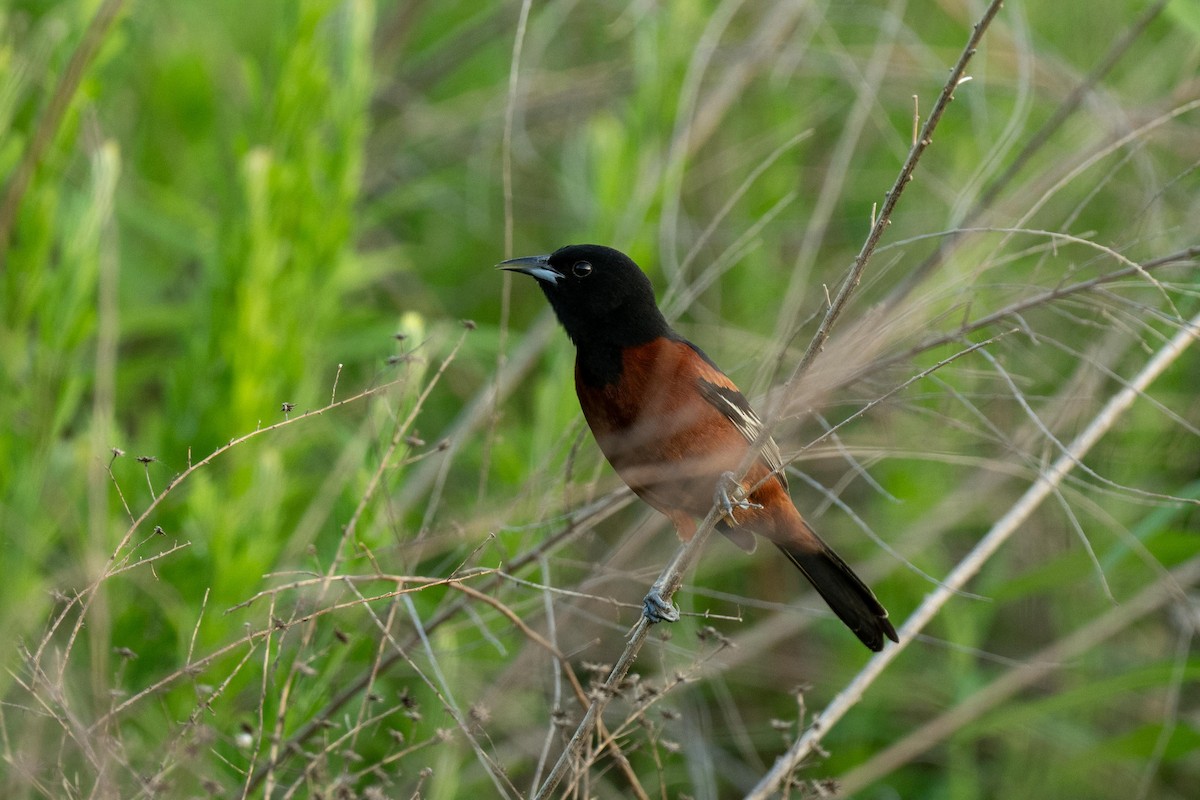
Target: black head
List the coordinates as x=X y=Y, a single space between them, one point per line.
x=600 y=296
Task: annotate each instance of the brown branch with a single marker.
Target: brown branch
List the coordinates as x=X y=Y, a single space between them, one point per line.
x=838 y=304
x=580 y=693
x=585 y=520
x=1045 y=483
x=1034 y=669
x=1035 y=143
x=1048 y=296
x=84 y=598
x=672 y=576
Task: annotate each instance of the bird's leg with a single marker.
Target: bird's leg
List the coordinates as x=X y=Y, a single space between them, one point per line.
x=730 y=495
x=657 y=608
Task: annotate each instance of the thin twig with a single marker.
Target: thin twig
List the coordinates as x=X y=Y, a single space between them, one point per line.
x=116 y=561
x=581 y=521
x=1045 y=483
x=1035 y=143
x=837 y=171
x=1040 y=299
x=893 y=196
x=253 y=637
x=1033 y=670
x=672 y=576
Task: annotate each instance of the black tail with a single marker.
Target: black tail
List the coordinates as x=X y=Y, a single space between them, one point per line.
x=845 y=593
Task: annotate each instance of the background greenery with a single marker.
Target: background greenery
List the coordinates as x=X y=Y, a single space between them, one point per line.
x=241 y=204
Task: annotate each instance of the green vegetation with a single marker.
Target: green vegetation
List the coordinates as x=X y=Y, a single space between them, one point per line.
x=211 y=210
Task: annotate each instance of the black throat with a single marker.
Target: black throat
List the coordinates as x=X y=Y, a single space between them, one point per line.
x=598 y=366
x=598 y=359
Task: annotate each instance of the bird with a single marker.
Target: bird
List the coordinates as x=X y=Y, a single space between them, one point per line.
x=676 y=429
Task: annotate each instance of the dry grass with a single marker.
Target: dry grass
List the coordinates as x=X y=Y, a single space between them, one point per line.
x=431 y=587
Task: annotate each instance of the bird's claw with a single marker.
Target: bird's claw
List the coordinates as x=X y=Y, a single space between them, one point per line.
x=730 y=495
x=656 y=608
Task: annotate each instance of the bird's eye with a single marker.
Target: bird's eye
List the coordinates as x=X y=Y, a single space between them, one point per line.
x=582 y=269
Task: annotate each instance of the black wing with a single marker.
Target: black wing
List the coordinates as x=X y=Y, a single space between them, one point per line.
x=734 y=406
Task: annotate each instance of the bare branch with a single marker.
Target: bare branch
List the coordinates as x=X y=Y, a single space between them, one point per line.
x=974 y=561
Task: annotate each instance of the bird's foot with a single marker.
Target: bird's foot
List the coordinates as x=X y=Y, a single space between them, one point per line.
x=656 y=608
x=730 y=495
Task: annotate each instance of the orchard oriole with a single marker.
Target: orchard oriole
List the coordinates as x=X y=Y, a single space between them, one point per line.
x=675 y=427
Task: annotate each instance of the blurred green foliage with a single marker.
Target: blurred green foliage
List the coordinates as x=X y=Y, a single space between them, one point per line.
x=243 y=204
